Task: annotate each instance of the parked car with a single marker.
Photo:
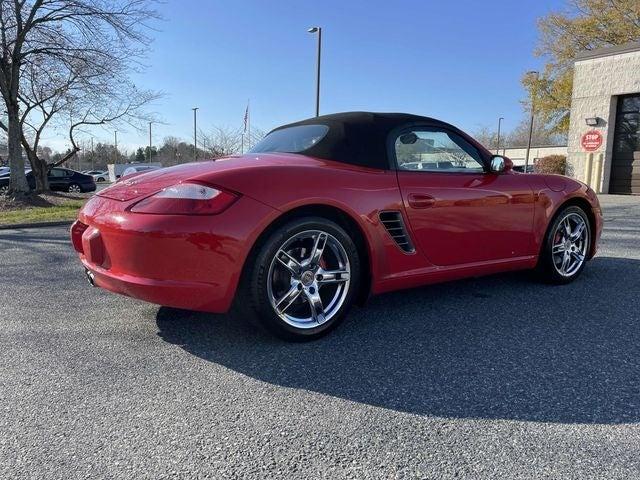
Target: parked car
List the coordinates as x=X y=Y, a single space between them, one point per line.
x=62 y=179
x=323 y=213
x=138 y=169
x=521 y=169
x=4 y=170
x=99 y=176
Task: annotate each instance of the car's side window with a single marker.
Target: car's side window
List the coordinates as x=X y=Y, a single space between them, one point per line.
x=57 y=173
x=433 y=150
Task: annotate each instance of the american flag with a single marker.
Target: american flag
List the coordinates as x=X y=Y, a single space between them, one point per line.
x=246 y=118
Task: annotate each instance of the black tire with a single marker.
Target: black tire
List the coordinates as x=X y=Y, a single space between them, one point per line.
x=100 y=180
x=256 y=289
x=72 y=186
x=547 y=268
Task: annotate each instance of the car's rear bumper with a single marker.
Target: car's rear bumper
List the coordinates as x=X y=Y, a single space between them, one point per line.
x=183 y=294
x=190 y=262
x=88 y=187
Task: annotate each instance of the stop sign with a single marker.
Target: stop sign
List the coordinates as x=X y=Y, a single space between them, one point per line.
x=592 y=140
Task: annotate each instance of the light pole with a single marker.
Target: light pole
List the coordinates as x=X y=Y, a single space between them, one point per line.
x=498 y=139
x=318 y=30
x=532 y=73
x=93 y=162
x=150 y=144
x=195 y=134
x=115 y=134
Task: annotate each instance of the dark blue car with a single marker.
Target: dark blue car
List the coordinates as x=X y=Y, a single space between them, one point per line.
x=62 y=179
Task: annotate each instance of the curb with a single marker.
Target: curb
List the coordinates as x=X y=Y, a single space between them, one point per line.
x=17 y=226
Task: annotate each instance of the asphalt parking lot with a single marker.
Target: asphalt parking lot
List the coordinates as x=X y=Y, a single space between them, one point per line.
x=497 y=377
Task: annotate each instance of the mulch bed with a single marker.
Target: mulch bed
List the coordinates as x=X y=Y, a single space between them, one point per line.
x=49 y=199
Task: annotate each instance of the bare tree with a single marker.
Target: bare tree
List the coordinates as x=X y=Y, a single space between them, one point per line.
x=542 y=135
x=487 y=137
x=64 y=43
x=221 y=141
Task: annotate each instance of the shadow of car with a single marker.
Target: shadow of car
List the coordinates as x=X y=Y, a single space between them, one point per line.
x=499 y=347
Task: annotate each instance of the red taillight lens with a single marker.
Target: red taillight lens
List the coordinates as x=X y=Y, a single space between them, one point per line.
x=77 y=229
x=186 y=199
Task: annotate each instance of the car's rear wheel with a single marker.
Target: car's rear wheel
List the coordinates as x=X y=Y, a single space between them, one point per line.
x=566 y=246
x=74 y=188
x=303 y=278
x=4 y=190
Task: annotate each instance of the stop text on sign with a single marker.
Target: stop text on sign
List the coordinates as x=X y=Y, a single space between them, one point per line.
x=592 y=140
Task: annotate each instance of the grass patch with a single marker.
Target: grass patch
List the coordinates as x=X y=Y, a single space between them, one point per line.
x=54 y=213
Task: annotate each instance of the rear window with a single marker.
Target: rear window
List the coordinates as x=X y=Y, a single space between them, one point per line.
x=291 y=139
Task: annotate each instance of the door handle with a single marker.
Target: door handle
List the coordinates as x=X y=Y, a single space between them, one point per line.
x=421 y=200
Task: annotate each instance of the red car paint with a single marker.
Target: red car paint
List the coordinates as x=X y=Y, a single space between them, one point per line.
x=461 y=224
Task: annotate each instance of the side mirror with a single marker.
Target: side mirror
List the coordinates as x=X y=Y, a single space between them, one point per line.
x=500 y=164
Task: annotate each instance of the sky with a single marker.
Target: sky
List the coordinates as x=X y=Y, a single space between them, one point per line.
x=459 y=61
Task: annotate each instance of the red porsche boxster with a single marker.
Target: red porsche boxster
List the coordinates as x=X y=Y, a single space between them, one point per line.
x=323 y=213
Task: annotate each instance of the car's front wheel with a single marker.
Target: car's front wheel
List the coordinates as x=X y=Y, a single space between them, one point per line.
x=566 y=246
x=303 y=278
x=74 y=188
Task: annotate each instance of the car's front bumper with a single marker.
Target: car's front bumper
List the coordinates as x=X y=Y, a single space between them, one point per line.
x=190 y=262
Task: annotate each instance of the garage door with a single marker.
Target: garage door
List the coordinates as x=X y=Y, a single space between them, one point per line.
x=625 y=167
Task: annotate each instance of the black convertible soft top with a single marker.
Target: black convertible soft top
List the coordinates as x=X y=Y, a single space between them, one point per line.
x=360 y=138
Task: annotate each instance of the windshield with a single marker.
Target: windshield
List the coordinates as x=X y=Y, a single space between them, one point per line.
x=291 y=139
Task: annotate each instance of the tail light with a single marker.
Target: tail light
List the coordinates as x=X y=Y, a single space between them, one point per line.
x=186 y=199
x=77 y=229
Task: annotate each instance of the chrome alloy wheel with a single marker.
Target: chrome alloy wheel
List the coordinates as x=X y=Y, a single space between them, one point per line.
x=570 y=243
x=308 y=279
x=73 y=188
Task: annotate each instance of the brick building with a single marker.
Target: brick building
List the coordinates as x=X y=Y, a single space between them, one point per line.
x=604 y=132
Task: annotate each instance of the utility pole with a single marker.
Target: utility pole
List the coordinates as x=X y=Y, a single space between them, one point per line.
x=195 y=132
x=150 y=144
x=498 y=139
x=535 y=74
x=115 y=134
x=318 y=30
x=93 y=162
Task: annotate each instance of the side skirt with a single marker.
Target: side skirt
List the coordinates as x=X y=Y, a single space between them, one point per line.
x=436 y=274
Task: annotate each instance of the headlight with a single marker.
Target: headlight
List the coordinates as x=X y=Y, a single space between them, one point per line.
x=186 y=199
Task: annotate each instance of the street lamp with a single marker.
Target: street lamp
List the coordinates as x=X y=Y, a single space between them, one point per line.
x=195 y=135
x=317 y=30
x=536 y=74
x=498 y=139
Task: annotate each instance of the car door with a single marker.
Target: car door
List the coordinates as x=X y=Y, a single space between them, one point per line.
x=459 y=212
x=58 y=179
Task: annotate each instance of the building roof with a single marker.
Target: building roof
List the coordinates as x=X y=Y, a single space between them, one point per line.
x=360 y=138
x=608 y=51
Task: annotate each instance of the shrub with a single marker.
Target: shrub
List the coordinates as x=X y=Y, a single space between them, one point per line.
x=552 y=164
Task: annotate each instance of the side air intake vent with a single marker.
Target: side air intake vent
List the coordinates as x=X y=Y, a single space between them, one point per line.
x=394 y=224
